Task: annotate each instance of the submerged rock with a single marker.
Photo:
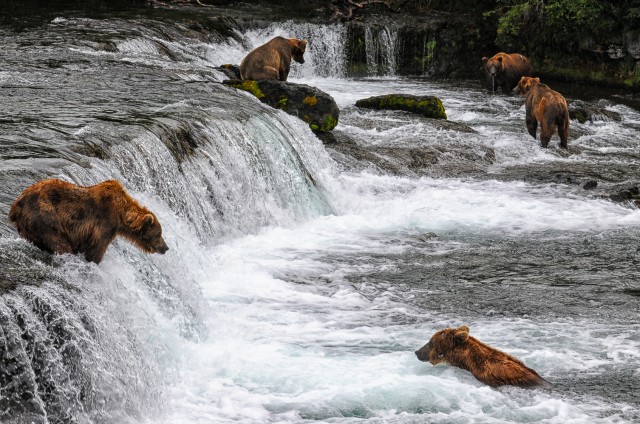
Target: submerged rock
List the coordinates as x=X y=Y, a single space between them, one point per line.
x=313 y=106
x=582 y=113
x=429 y=106
x=630 y=194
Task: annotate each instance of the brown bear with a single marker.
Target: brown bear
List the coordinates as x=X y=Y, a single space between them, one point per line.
x=505 y=70
x=545 y=106
x=491 y=366
x=60 y=217
x=272 y=60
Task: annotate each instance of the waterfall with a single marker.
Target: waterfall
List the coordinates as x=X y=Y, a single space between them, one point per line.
x=326 y=51
x=87 y=343
x=381 y=49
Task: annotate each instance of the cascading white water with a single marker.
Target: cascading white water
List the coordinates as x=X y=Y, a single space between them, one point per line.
x=326 y=51
x=381 y=45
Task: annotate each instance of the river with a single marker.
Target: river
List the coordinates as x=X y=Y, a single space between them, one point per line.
x=302 y=277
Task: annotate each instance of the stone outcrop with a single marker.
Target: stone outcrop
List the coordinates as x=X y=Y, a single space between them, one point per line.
x=312 y=105
x=428 y=106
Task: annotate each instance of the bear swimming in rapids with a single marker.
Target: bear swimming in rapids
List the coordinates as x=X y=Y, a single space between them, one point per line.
x=61 y=217
x=272 y=60
x=491 y=366
x=544 y=106
x=505 y=70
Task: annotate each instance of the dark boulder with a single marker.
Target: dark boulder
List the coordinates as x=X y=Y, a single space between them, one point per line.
x=313 y=106
x=429 y=106
x=581 y=112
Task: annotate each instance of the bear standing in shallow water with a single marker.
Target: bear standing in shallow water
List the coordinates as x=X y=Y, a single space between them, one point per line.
x=272 y=60
x=60 y=217
x=504 y=70
x=545 y=106
x=491 y=366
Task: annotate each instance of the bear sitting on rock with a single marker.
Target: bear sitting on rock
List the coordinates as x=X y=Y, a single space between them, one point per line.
x=60 y=217
x=505 y=70
x=272 y=60
x=545 y=106
x=491 y=366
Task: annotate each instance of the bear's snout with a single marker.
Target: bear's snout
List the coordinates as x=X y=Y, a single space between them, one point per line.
x=162 y=249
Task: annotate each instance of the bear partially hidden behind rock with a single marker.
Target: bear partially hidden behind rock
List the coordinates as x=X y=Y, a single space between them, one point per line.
x=60 y=217
x=491 y=366
x=272 y=60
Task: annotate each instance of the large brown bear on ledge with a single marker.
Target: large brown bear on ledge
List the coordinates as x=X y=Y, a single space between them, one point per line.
x=60 y=217
x=545 y=106
x=491 y=366
x=272 y=60
x=505 y=70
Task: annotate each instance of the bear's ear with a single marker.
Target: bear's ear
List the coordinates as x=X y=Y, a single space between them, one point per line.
x=484 y=59
x=461 y=334
x=148 y=219
x=537 y=79
x=500 y=58
x=302 y=44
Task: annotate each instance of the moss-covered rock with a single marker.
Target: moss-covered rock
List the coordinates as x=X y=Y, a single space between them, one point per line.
x=249 y=85
x=429 y=106
x=313 y=106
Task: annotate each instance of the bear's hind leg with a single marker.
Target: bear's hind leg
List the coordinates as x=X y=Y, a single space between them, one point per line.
x=563 y=131
x=532 y=127
x=545 y=135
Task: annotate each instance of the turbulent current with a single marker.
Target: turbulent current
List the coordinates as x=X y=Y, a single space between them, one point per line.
x=301 y=277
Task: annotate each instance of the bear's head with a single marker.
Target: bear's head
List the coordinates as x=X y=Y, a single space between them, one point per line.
x=493 y=66
x=147 y=234
x=298 y=48
x=525 y=85
x=441 y=343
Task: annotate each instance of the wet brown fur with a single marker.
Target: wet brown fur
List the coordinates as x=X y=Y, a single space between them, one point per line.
x=60 y=217
x=544 y=106
x=491 y=366
x=272 y=60
x=506 y=70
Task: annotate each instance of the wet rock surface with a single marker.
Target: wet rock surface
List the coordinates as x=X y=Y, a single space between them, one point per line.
x=312 y=105
x=427 y=106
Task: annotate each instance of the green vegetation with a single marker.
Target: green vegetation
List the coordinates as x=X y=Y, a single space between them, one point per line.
x=250 y=86
x=572 y=39
x=328 y=124
x=282 y=103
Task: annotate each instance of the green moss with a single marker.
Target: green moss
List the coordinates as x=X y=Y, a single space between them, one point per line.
x=282 y=103
x=310 y=100
x=329 y=123
x=250 y=86
x=314 y=127
x=431 y=107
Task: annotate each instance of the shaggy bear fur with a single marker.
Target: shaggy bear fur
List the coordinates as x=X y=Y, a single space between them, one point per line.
x=60 y=217
x=505 y=70
x=491 y=366
x=545 y=106
x=272 y=60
